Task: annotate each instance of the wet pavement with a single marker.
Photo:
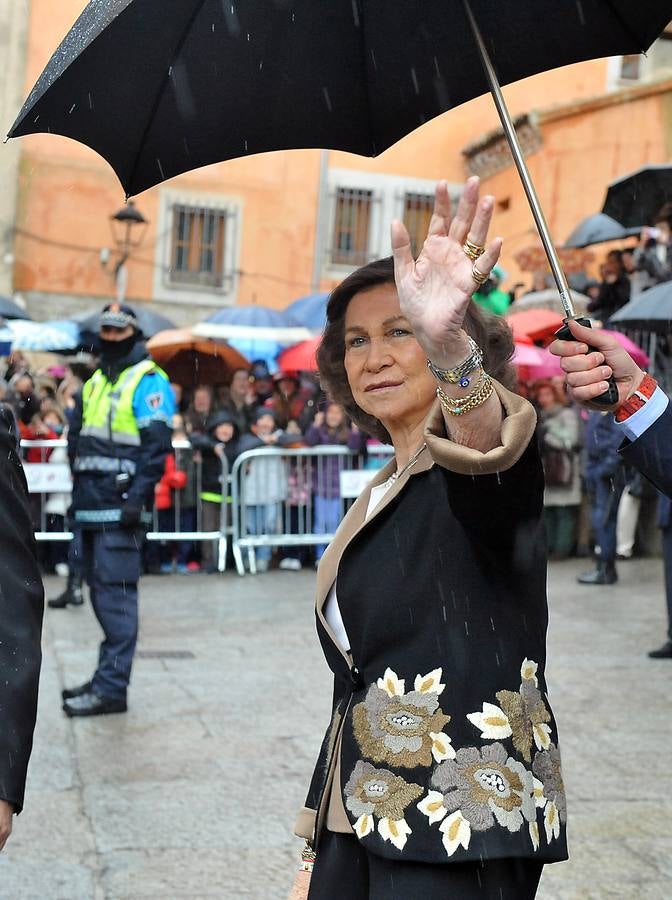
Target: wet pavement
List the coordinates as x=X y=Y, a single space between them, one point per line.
x=192 y=794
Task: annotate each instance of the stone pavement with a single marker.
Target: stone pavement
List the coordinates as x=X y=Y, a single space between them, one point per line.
x=192 y=794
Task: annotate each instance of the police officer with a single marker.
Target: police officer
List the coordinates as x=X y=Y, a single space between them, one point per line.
x=117 y=446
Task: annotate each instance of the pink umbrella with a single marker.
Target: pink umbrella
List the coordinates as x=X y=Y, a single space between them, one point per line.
x=527 y=355
x=636 y=352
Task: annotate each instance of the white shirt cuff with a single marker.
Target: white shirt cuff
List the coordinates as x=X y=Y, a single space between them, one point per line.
x=636 y=424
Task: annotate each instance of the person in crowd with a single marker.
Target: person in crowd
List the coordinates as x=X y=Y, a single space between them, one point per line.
x=653 y=255
x=38 y=430
x=287 y=401
x=241 y=402
x=435 y=627
x=639 y=280
x=559 y=431
x=330 y=428
x=16 y=364
x=117 y=454
x=490 y=297
x=297 y=519
x=200 y=409
x=614 y=290
x=264 y=485
x=66 y=395
x=220 y=442
x=263 y=382
x=21 y=610
x=23 y=398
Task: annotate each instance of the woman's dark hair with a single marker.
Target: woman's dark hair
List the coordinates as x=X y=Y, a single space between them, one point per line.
x=491 y=333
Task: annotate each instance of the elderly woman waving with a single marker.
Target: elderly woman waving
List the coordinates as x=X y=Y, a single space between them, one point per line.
x=439 y=775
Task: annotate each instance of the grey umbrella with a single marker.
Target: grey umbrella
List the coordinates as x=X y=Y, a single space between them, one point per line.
x=11 y=310
x=598 y=229
x=650 y=311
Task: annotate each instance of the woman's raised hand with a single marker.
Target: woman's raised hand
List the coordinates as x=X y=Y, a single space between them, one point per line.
x=434 y=290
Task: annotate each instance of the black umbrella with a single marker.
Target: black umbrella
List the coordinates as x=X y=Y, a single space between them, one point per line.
x=161 y=88
x=598 y=229
x=637 y=198
x=11 y=310
x=150 y=323
x=650 y=311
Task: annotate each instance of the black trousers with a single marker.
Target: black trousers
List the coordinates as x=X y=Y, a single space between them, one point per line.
x=344 y=870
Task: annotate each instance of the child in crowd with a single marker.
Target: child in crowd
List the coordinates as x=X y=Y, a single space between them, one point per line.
x=220 y=442
x=331 y=428
x=264 y=486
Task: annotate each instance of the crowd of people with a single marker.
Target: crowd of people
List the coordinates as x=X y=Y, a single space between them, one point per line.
x=255 y=409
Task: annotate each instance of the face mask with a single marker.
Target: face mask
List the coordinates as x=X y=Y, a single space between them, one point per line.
x=112 y=350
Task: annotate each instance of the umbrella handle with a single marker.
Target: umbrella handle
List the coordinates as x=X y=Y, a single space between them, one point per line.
x=610 y=397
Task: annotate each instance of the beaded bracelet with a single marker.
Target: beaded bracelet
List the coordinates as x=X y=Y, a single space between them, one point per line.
x=458 y=374
x=457 y=406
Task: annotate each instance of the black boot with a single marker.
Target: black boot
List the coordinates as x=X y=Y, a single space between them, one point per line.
x=72 y=594
x=605 y=573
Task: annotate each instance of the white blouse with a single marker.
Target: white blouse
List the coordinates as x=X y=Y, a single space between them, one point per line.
x=331 y=611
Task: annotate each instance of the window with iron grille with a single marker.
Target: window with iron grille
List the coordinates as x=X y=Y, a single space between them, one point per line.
x=417 y=213
x=352 y=225
x=198 y=245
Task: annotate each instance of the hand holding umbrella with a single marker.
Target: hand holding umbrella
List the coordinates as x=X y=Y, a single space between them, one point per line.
x=591 y=360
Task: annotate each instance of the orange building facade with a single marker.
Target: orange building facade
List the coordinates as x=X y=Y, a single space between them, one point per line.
x=271 y=228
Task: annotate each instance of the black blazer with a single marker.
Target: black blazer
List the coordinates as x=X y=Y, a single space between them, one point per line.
x=21 y=609
x=442 y=746
x=651 y=453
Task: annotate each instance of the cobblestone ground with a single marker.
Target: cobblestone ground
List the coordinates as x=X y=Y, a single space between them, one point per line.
x=192 y=794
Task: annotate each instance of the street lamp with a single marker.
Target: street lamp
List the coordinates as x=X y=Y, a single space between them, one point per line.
x=129 y=228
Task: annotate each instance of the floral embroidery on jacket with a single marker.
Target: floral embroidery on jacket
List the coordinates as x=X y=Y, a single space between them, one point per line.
x=403 y=729
x=522 y=715
x=480 y=788
x=378 y=792
x=549 y=790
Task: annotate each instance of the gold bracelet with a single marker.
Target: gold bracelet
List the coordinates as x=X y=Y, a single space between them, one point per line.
x=457 y=406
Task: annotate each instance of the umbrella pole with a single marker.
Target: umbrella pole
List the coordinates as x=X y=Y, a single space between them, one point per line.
x=521 y=165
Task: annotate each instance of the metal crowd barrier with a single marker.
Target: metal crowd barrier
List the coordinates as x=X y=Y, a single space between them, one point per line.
x=46 y=478
x=294 y=498
x=272 y=497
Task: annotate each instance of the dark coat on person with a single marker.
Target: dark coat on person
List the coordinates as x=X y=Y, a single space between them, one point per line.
x=651 y=453
x=602 y=438
x=442 y=745
x=21 y=609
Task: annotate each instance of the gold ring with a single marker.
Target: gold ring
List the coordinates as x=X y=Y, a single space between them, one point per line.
x=473 y=250
x=478 y=276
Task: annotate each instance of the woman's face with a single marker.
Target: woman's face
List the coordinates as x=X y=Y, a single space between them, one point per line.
x=202 y=401
x=386 y=367
x=224 y=432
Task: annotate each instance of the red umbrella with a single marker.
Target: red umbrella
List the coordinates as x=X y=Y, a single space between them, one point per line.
x=301 y=357
x=535 y=324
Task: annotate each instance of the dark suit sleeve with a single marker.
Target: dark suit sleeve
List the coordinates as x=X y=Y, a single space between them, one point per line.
x=21 y=609
x=651 y=453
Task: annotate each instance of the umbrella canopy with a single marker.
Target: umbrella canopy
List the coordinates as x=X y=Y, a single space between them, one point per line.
x=159 y=89
x=635 y=199
x=253 y=317
x=535 y=324
x=150 y=322
x=189 y=360
x=43 y=336
x=549 y=299
x=11 y=310
x=547 y=365
x=300 y=358
x=310 y=311
x=599 y=229
x=650 y=311
x=255 y=342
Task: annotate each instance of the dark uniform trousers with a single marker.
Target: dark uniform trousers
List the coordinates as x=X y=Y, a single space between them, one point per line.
x=345 y=869
x=112 y=570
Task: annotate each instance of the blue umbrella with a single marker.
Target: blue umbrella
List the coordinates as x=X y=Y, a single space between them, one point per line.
x=43 y=336
x=310 y=311
x=260 y=317
x=598 y=229
x=5 y=341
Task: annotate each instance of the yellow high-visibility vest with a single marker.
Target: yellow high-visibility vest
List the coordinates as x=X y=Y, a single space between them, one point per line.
x=108 y=407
